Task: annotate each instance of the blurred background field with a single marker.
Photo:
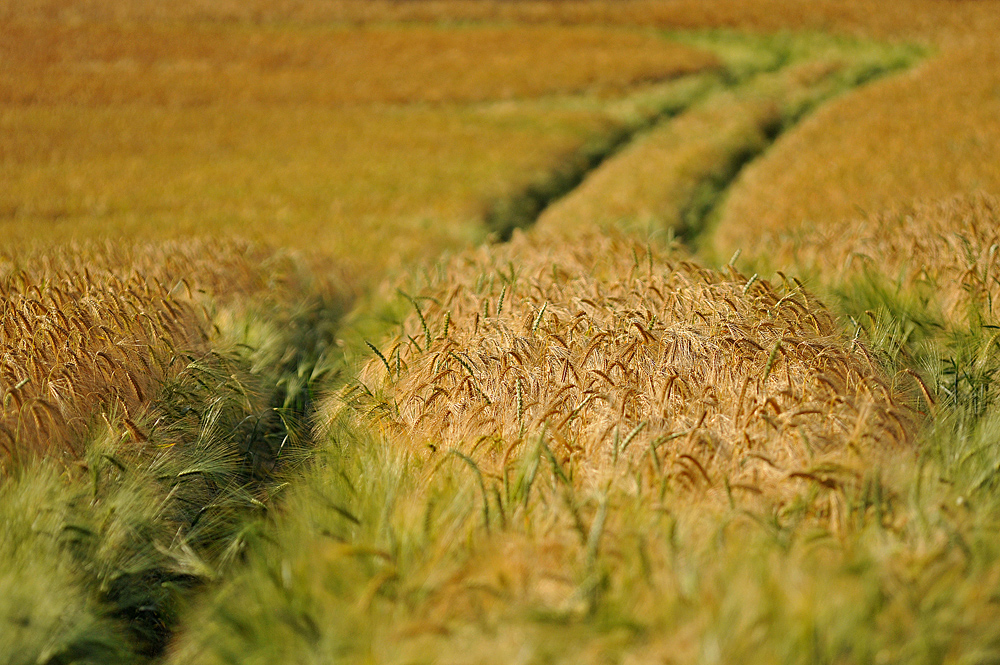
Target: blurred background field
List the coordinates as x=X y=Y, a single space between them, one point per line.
x=372 y=187
x=375 y=145
x=281 y=120
x=928 y=134
x=902 y=18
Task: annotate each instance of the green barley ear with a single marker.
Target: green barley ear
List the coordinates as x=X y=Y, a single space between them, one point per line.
x=770 y=361
x=520 y=409
x=503 y=292
x=447 y=324
x=467 y=366
x=420 y=315
x=379 y=354
x=631 y=435
x=538 y=319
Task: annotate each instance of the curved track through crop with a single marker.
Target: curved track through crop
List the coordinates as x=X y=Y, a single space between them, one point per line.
x=682 y=144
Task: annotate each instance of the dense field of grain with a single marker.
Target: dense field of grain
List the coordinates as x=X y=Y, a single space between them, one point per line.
x=588 y=448
x=897 y=19
x=719 y=386
x=599 y=338
x=672 y=176
x=945 y=249
x=167 y=65
x=150 y=394
x=875 y=150
x=155 y=129
x=90 y=328
x=291 y=175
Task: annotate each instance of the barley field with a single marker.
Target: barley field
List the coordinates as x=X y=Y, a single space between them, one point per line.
x=488 y=331
x=900 y=19
x=898 y=153
x=157 y=130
